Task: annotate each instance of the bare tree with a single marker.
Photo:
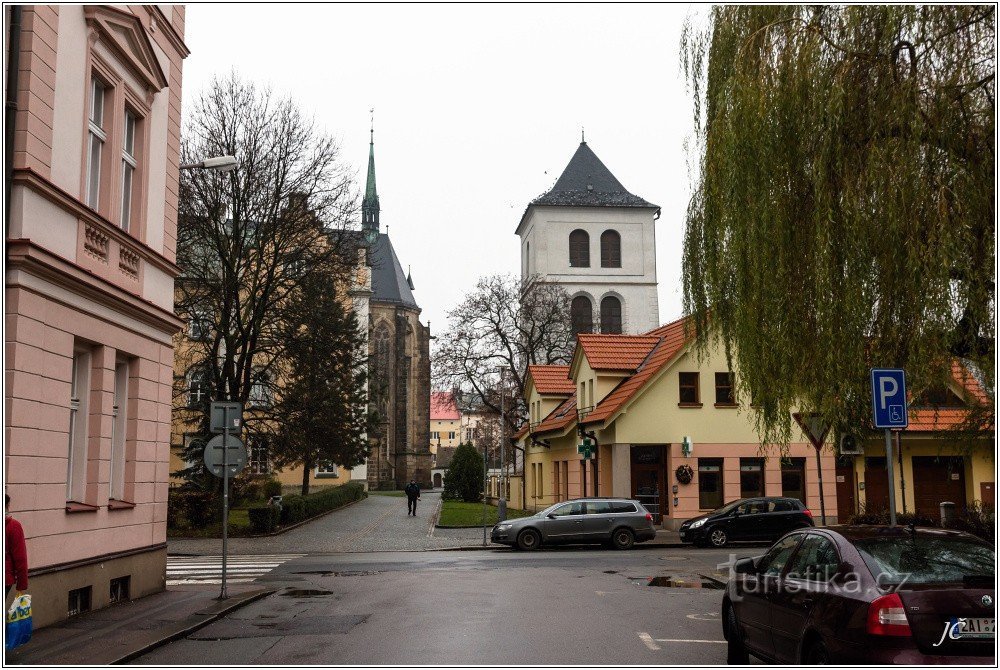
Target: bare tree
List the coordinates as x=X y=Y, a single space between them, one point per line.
x=249 y=238
x=503 y=322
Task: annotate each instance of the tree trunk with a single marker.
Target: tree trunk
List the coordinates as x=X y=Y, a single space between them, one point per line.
x=306 y=467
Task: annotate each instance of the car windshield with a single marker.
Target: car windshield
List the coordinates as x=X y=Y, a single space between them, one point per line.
x=726 y=509
x=922 y=559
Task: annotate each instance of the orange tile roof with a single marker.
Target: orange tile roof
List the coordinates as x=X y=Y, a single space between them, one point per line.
x=615 y=352
x=522 y=432
x=551 y=379
x=930 y=419
x=670 y=339
x=444 y=407
x=560 y=418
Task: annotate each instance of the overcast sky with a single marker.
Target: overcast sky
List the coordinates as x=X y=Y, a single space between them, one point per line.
x=477 y=111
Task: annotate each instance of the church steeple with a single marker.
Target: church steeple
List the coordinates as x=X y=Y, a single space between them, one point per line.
x=369 y=205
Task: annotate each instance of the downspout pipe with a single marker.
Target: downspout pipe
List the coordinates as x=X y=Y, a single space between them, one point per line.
x=13 y=68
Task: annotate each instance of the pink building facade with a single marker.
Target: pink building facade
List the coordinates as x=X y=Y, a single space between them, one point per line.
x=89 y=297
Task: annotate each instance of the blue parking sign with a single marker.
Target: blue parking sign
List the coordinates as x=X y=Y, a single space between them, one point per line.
x=889 y=398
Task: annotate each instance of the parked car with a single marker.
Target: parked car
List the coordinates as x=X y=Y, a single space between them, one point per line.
x=754 y=519
x=864 y=594
x=616 y=521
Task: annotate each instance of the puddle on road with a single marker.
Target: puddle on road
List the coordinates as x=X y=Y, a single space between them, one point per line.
x=679 y=582
x=346 y=573
x=306 y=593
x=611 y=572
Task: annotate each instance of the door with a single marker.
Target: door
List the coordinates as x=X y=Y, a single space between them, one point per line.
x=987 y=494
x=597 y=522
x=847 y=502
x=648 y=479
x=937 y=480
x=753 y=608
x=876 y=485
x=749 y=522
x=793 y=478
x=437 y=480
x=567 y=523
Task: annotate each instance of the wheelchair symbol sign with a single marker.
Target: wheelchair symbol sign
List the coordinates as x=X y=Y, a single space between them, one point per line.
x=889 y=398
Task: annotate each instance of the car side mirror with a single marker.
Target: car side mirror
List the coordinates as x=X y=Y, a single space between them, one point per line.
x=552 y=516
x=745 y=566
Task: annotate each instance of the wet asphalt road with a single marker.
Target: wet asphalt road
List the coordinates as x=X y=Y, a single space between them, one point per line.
x=557 y=606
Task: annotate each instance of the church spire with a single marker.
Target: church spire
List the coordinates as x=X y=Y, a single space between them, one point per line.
x=369 y=205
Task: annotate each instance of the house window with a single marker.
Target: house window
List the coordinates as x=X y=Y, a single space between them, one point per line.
x=128 y=168
x=199 y=324
x=582 y=315
x=724 y=389
x=435 y=435
x=197 y=388
x=611 y=315
x=260 y=390
x=326 y=469
x=751 y=477
x=451 y=435
x=96 y=138
x=611 y=249
x=119 y=422
x=258 y=455
x=120 y=587
x=579 y=249
x=710 y=483
x=793 y=478
x=689 y=388
x=79 y=601
x=79 y=403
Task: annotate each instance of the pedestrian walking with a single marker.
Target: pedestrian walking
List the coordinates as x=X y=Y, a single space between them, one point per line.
x=16 y=559
x=412 y=491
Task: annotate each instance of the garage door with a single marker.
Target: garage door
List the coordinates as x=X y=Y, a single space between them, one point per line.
x=936 y=480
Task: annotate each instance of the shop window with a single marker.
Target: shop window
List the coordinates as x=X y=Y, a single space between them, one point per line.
x=710 y=483
x=724 y=389
x=689 y=394
x=751 y=477
x=793 y=478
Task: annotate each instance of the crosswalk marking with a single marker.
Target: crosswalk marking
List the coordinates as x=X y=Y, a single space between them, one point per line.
x=208 y=569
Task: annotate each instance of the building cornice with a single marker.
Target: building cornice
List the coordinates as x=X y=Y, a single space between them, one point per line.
x=54 y=194
x=38 y=261
x=168 y=29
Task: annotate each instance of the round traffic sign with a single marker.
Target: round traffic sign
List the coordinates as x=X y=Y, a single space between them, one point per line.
x=236 y=457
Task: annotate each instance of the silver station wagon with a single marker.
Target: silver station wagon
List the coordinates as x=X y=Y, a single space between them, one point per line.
x=616 y=521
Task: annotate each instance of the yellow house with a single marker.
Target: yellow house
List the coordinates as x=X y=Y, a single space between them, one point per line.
x=930 y=467
x=667 y=430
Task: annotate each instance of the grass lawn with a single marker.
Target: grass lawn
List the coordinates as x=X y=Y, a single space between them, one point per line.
x=470 y=515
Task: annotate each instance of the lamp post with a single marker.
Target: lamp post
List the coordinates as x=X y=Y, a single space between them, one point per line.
x=217 y=163
x=502 y=493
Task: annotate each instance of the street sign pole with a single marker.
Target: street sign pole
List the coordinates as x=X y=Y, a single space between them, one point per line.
x=225 y=497
x=816 y=429
x=889 y=468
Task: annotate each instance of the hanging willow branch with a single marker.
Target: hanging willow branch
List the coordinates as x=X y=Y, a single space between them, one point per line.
x=843 y=207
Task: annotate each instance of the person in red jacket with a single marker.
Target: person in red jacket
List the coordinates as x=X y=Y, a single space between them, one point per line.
x=16 y=558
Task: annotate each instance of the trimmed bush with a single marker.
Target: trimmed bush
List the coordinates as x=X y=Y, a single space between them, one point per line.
x=263 y=519
x=299 y=508
x=272 y=487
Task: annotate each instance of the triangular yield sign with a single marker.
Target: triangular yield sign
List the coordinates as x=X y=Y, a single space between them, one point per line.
x=814 y=426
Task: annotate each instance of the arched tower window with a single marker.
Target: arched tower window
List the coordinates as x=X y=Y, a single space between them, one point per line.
x=611 y=315
x=579 y=249
x=527 y=258
x=611 y=249
x=582 y=314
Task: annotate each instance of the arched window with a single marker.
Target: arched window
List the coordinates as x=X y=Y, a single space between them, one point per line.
x=611 y=315
x=579 y=249
x=611 y=249
x=582 y=314
x=527 y=258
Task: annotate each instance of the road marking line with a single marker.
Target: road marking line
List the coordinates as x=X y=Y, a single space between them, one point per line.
x=702 y=641
x=648 y=641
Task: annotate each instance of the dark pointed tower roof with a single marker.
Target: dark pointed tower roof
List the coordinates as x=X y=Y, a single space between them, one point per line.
x=587 y=182
x=369 y=205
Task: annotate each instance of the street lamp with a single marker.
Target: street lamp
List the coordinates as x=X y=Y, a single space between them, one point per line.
x=218 y=164
x=502 y=493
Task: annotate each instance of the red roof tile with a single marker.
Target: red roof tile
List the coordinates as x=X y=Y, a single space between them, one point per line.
x=671 y=338
x=444 y=407
x=930 y=419
x=616 y=352
x=551 y=379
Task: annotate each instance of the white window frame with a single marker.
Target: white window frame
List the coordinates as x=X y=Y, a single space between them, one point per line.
x=96 y=137
x=129 y=166
x=79 y=419
x=190 y=386
x=199 y=326
x=327 y=469
x=260 y=391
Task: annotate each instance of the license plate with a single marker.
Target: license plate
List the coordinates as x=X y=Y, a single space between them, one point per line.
x=975 y=628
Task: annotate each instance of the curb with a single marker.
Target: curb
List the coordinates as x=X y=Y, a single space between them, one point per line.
x=196 y=621
x=277 y=532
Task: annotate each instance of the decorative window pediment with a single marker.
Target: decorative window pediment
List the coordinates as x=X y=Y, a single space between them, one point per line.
x=123 y=34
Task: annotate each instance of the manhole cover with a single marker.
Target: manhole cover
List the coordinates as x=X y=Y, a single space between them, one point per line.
x=306 y=593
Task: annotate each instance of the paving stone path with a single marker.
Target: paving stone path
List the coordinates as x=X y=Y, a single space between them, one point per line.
x=377 y=523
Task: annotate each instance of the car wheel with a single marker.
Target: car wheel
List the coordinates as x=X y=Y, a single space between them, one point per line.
x=737 y=653
x=623 y=538
x=718 y=537
x=529 y=540
x=817 y=654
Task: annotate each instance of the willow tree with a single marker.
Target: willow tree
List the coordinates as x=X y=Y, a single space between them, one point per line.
x=842 y=215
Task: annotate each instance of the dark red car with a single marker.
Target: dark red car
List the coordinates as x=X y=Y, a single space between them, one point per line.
x=864 y=594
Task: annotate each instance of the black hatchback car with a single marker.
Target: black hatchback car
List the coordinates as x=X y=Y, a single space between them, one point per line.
x=747 y=519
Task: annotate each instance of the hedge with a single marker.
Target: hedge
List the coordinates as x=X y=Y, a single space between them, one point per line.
x=296 y=508
x=263 y=519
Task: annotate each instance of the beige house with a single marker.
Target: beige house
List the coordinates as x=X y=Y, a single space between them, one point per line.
x=89 y=296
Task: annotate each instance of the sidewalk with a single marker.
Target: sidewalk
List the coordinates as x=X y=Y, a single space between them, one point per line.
x=120 y=633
